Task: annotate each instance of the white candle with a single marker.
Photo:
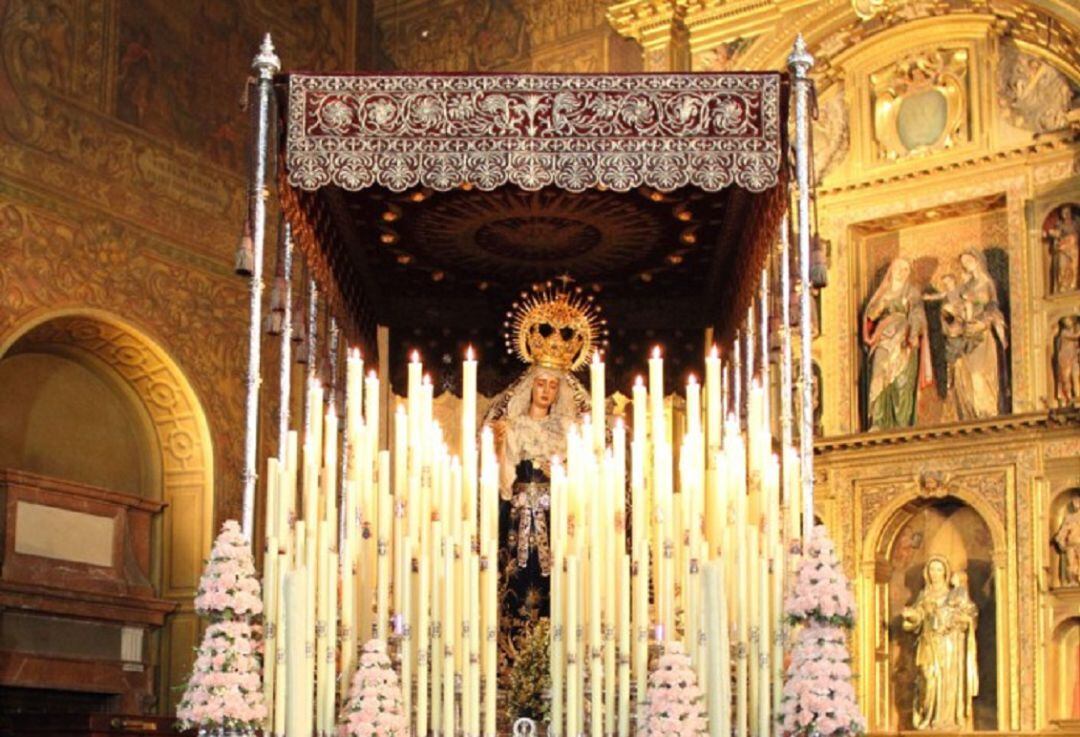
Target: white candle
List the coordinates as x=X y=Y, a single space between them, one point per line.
x=449 y=636
x=641 y=408
x=713 y=399
x=573 y=713
x=598 y=392
x=297 y=716
x=656 y=396
x=371 y=411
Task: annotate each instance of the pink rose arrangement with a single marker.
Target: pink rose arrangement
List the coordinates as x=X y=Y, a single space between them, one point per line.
x=674 y=705
x=225 y=688
x=225 y=691
x=229 y=587
x=374 y=706
x=818 y=698
x=820 y=591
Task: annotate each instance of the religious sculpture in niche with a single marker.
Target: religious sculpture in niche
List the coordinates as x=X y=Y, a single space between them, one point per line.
x=973 y=327
x=920 y=103
x=554 y=331
x=1061 y=238
x=943 y=619
x=1067 y=542
x=898 y=354
x=936 y=345
x=1066 y=361
x=1032 y=94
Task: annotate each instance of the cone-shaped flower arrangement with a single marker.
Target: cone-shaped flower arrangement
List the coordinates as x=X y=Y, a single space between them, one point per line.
x=818 y=697
x=673 y=706
x=374 y=707
x=224 y=693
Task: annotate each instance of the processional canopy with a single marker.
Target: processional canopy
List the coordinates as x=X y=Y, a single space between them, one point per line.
x=431 y=200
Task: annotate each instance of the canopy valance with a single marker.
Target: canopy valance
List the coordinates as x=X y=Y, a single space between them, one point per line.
x=575 y=132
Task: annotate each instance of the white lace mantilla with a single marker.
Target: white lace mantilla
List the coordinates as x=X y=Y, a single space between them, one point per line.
x=573 y=131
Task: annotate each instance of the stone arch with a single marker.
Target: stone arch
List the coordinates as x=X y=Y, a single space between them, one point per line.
x=184 y=455
x=877 y=641
x=1063 y=678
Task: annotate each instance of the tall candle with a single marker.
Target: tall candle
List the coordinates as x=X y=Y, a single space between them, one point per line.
x=415 y=371
x=437 y=600
x=371 y=411
x=624 y=645
x=656 y=396
x=693 y=405
x=401 y=455
x=297 y=716
x=385 y=529
x=270 y=639
x=330 y=693
x=598 y=392
x=713 y=398
x=491 y=605
x=573 y=714
x=641 y=616
x=422 y=643
x=449 y=636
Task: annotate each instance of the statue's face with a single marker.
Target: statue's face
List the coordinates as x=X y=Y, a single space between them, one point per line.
x=544 y=390
x=968 y=262
x=936 y=572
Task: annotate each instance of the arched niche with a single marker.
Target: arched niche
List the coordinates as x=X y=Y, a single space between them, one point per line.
x=68 y=415
x=1063 y=681
x=1064 y=501
x=906 y=534
x=147 y=408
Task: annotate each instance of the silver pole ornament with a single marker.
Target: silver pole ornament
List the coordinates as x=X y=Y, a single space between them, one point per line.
x=265 y=65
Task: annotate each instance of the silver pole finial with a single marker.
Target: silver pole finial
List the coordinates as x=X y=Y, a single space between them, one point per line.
x=267 y=59
x=800 y=60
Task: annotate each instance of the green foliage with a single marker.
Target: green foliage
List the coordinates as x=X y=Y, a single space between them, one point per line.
x=530 y=677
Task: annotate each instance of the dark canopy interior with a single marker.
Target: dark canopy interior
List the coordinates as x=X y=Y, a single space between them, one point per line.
x=441 y=266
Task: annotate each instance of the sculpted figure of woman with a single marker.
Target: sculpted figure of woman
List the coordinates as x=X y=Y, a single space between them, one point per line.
x=894 y=331
x=976 y=370
x=942 y=619
x=530 y=420
x=1064 y=251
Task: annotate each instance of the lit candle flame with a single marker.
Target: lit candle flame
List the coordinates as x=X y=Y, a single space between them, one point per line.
x=469 y=354
x=692 y=381
x=639 y=380
x=596 y=356
x=656 y=351
x=372 y=375
x=714 y=352
x=414 y=357
x=426 y=380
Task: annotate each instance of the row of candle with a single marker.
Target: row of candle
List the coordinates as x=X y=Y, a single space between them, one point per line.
x=710 y=532
x=706 y=558
x=407 y=527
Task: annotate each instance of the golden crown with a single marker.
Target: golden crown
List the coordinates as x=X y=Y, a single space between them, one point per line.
x=555 y=328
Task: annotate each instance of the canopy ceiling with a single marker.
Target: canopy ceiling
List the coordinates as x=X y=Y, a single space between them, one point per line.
x=431 y=201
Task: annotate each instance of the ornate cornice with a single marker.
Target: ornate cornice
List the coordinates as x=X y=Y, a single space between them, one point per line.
x=999 y=427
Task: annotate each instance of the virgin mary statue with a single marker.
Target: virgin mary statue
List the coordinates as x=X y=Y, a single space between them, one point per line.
x=553 y=331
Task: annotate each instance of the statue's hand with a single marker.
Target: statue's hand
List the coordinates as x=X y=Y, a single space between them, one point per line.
x=498 y=428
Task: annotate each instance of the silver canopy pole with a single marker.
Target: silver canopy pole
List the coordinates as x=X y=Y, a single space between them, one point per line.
x=800 y=62
x=285 y=376
x=265 y=65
